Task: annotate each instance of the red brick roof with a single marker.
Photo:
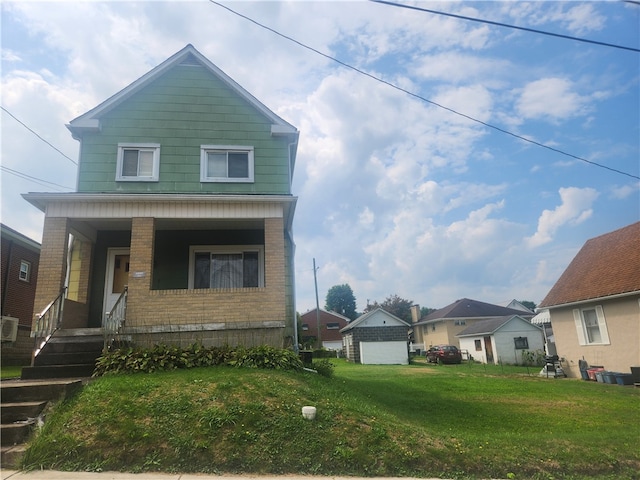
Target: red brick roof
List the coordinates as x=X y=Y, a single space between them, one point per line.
x=606 y=265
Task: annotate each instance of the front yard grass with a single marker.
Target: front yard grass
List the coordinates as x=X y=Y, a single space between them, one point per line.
x=452 y=421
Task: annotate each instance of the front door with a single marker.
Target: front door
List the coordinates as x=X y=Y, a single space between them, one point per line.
x=488 y=349
x=116 y=278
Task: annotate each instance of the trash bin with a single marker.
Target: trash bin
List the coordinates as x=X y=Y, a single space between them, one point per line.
x=624 y=379
x=609 y=377
x=592 y=372
x=306 y=356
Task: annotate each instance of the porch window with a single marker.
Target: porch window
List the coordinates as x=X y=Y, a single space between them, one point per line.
x=591 y=326
x=138 y=162
x=226 y=163
x=226 y=267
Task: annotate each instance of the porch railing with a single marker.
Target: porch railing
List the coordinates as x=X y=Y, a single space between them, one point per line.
x=114 y=320
x=47 y=322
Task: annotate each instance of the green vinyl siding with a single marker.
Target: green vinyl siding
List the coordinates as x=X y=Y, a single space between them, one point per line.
x=183 y=109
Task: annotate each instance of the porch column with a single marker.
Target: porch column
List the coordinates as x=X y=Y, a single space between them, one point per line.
x=140 y=267
x=52 y=268
x=79 y=276
x=274 y=261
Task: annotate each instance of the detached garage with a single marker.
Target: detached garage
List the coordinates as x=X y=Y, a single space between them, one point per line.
x=377 y=337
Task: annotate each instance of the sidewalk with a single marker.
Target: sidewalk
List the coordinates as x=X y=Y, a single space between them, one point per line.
x=53 y=475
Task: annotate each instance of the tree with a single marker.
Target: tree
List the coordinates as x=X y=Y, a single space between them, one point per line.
x=394 y=304
x=529 y=304
x=340 y=299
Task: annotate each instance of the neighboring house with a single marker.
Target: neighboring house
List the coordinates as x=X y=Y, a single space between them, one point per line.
x=377 y=337
x=183 y=201
x=595 y=304
x=501 y=340
x=442 y=326
x=330 y=324
x=516 y=305
x=20 y=259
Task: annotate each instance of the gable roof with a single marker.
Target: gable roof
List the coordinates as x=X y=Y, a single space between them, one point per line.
x=605 y=266
x=467 y=308
x=187 y=56
x=332 y=313
x=490 y=326
x=378 y=311
x=14 y=235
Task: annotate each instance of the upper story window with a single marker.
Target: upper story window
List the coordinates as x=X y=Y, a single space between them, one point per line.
x=25 y=271
x=226 y=266
x=219 y=163
x=591 y=326
x=333 y=326
x=138 y=162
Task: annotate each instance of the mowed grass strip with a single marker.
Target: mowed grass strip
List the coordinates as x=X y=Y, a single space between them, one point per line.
x=454 y=421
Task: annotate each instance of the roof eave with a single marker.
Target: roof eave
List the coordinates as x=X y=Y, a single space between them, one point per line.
x=591 y=300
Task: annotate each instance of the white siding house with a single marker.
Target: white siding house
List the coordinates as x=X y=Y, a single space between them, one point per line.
x=501 y=339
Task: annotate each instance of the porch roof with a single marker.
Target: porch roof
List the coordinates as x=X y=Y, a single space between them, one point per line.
x=202 y=207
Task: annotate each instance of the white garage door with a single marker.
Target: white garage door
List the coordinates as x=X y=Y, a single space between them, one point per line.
x=384 y=353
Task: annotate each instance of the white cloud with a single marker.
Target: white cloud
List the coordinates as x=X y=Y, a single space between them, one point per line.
x=574 y=209
x=551 y=99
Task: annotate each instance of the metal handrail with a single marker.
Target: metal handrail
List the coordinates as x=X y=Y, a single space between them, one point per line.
x=47 y=322
x=114 y=320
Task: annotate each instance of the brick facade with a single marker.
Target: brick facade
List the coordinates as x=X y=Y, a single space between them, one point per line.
x=53 y=262
x=215 y=317
x=17 y=294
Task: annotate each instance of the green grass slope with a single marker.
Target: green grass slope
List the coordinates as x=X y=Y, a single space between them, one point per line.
x=455 y=421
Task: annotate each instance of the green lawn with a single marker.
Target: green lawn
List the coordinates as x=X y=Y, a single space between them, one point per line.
x=10 y=372
x=454 y=421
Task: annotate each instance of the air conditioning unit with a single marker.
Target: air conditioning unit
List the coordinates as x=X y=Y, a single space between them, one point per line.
x=9 y=329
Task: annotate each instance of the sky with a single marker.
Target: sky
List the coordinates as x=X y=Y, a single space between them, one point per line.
x=439 y=158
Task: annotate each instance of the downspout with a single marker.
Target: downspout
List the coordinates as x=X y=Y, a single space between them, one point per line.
x=296 y=349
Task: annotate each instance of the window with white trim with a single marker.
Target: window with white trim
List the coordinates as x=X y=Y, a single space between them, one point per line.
x=333 y=326
x=226 y=163
x=591 y=326
x=25 y=271
x=226 y=267
x=138 y=162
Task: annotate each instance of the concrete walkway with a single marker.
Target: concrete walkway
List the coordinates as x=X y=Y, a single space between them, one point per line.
x=53 y=475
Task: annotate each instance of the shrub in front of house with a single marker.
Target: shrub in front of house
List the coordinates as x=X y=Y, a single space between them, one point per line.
x=164 y=357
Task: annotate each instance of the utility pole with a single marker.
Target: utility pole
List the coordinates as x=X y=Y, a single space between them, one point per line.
x=315 y=280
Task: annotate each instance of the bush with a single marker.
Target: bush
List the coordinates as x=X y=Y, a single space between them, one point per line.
x=324 y=367
x=267 y=357
x=163 y=357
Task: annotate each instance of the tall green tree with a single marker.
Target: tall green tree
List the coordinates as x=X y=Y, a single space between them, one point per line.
x=394 y=304
x=340 y=299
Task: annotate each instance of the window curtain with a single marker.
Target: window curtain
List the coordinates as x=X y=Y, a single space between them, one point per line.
x=226 y=270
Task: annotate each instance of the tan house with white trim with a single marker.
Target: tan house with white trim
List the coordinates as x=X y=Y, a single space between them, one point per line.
x=595 y=304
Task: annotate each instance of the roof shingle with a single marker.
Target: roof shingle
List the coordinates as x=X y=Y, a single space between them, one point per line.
x=606 y=265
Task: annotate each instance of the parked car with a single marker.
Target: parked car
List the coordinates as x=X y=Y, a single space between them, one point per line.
x=444 y=354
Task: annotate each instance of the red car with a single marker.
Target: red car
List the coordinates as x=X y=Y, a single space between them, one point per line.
x=444 y=354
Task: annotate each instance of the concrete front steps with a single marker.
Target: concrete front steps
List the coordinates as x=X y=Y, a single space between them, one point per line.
x=22 y=407
x=69 y=353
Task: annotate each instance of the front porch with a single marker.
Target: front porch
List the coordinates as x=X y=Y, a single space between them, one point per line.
x=220 y=273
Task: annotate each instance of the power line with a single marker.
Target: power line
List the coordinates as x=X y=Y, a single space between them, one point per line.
x=415 y=95
x=44 y=183
x=36 y=134
x=506 y=25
